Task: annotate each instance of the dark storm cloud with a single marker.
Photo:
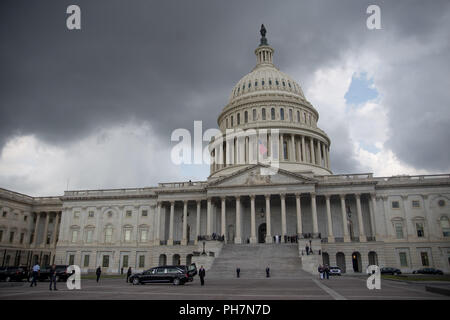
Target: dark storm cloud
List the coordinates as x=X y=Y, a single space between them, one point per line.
x=172 y=62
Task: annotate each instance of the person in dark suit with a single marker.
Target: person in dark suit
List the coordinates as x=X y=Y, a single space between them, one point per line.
x=129 y=273
x=307 y=250
x=201 y=274
x=53 y=277
x=267 y=272
x=238 y=271
x=98 y=272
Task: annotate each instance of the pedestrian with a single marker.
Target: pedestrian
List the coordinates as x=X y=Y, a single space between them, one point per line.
x=121 y=270
x=201 y=274
x=320 y=269
x=327 y=271
x=98 y=272
x=238 y=271
x=307 y=250
x=53 y=277
x=35 y=274
x=128 y=273
x=267 y=272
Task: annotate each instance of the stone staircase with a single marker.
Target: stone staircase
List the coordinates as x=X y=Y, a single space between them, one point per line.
x=282 y=259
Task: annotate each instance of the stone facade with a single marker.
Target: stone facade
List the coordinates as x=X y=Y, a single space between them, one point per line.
x=352 y=220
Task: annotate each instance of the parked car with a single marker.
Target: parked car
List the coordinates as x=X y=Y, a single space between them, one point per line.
x=335 y=271
x=389 y=270
x=428 y=271
x=170 y=274
x=13 y=273
x=61 y=273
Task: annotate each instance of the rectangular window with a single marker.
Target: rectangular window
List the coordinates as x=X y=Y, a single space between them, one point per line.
x=419 y=228
x=11 y=237
x=4 y=214
x=86 y=260
x=74 y=235
x=25 y=218
x=22 y=237
x=399 y=230
x=108 y=235
x=263 y=113
x=127 y=234
x=91 y=214
x=141 y=261
x=395 y=205
x=424 y=257
x=71 y=259
x=1 y=235
x=298 y=116
x=254 y=114
x=105 y=262
x=128 y=213
x=416 y=204
x=144 y=235
x=238 y=119
x=125 y=261
x=232 y=121
x=89 y=234
x=403 y=259
x=144 y=213
x=285 y=150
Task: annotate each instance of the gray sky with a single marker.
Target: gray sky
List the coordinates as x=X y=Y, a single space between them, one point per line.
x=95 y=108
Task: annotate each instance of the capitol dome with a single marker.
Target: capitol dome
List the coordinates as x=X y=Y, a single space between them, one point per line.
x=268 y=99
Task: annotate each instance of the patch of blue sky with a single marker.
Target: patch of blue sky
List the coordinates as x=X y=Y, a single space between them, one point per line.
x=361 y=90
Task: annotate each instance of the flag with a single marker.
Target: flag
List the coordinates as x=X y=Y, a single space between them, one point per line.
x=262 y=147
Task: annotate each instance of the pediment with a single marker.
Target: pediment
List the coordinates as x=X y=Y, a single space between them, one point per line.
x=261 y=175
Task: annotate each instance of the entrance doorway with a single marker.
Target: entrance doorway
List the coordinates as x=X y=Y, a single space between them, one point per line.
x=356 y=261
x=230 y=238
x=262 y=231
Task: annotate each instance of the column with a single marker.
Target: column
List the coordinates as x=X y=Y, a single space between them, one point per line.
x=197 y=223
x=362 y=235
x=208 y=218
x=328 y=156
x=55 y=228
x=319 y=154
x=268 y=226
x=252 y=219
x=158 y=224
x=311 y=147
x=314 y=214
x=237 y=238
x=172 y=211
x=292 y=155
x=47 y=218
x=303 y=149
x=373 y=212
x=299 y=214
x=344 y=218
x=223 y=223
x=281 y=147
x=324 y=155
x=330 y=221
x=184 y=239
x=38 y=217
x=283 y=216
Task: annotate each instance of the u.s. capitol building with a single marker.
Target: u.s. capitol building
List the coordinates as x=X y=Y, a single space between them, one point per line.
x=248 y=210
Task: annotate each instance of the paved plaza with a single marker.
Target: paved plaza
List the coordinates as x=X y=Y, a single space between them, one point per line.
x=304 y=288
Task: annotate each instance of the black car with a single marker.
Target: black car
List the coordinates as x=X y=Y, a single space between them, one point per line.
x=428 y=271
x=388 y=270
x=61 y=273
x=191 y=270
x=170 y=274
x=13 y=273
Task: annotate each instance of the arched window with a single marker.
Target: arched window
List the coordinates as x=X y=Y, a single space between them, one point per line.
x=254 y=114
x=238 y=119
x=298 y=116
x=281 y=114
x=272 y=113
x=246 y=116
x=263 y=113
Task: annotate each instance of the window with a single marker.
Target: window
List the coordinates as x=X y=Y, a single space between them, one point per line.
x=11 y=236
x=108 y=234
x=129 y=213
x=125 y=261
x=105 y=262
x=49 y=236
x=245 y=116
x=441 y=203
x=89 y=234
x=71 y=259
x=91 y=214
x=256 y=83
x=272 y=113
x=127 y=234
x=141 y=261
x=76 y=214
x=424 y=258
x=403 y=259
x=232 y=123
x=419 y=229
x=395 y=205
x=254 y=114
x=86 y=261
x=270 y=82
x=144 y=213
x=1 y=235
x=298 y=116
x=110 y=214
x=4 y=214
x=445 y=226
x=415 y=204
x=226 y=123
x=262 y=82
x=22 y=237
x=285 y=150
x=276 y=82
x=282 y=114
x=74 y=235
x=25 y=218
x=399 y=230
x=290 y=115
x=50 y=220
x=144 y=233
x=249 y=85
x=238 y=119
x=263 y=113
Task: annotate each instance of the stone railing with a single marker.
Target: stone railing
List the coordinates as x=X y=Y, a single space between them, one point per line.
x=109 y=192
x=184 y=184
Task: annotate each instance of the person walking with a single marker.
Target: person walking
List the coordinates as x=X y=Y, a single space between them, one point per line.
x=320 y=270
x=267 y=272
x=327 y=271
x=35 y=274
x=98 y=272
x=201 y=274
x=307 y=250
x=238 y=271
x=128 y=274
x=53 y=277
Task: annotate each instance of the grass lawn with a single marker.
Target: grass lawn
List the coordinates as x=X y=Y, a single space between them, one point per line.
x=420 y=277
